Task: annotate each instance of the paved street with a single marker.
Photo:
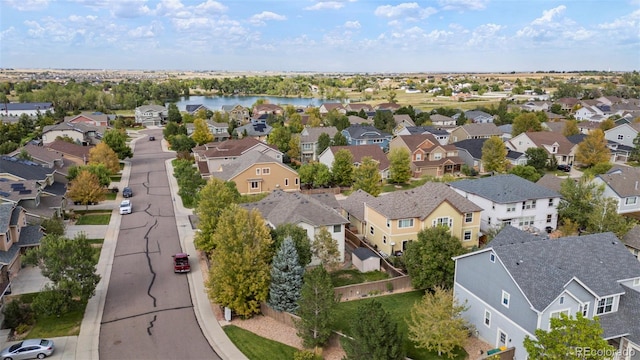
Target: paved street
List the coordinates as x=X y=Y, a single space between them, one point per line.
x=148 y=312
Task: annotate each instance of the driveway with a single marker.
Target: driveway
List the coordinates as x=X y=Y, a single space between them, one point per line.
x=148 y=312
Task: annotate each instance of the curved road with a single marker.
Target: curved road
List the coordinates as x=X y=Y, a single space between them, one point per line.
x=148 y=313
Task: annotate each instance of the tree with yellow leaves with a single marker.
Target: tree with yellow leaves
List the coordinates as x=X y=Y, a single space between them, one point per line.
x=593 y=149
x=86 y=189
x=201 y=132
x=103 y=154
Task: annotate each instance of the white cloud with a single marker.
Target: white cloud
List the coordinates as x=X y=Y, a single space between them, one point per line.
x=211 y=7
x=549 y=15
x=27 y=5
x=408 y=11
x=352 y=24
x=325 y=5
x=486 y=34
x=628 y=21
x=463 y=4
x=260 y=19
x=578 y=34
x=7 y=33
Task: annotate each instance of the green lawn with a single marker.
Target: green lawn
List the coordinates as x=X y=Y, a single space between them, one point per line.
x=399 y=307
x=256 y=347
x=116 y=178
x=94 y=219
x=56 y=326
x=353 y=276
x=110 y=195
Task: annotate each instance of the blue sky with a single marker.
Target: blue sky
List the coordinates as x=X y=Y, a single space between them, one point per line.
x=309 y=35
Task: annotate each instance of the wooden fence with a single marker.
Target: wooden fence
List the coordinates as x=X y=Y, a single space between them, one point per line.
x=280 y=316
x=373 y=288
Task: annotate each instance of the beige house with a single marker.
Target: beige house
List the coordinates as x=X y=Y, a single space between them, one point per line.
x=211 y=156
x=555 y=144
x=396 y=218
x=82 y=134
x=428 y=157
x=254 y=173
x=474 y=131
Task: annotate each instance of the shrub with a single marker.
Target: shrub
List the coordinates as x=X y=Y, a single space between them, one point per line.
x=51 y=302
x=306 y=355
x=22 y=328
x=18 y=313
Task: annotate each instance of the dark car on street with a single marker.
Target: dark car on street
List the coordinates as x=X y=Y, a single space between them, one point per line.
x=565 y=168
x=127 y=192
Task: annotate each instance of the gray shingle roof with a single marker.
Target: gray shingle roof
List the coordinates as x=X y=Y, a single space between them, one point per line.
x=625 y=320
x=556 y=262
x=313 y=133
x=354 y=203
x=24 y=169
x=235 y=167
x=282 y=207
x=473 y=146
x=624 y=180
x=6 y=209
x=420 y=202
x=365 y=132
x=482 y=129
x=504 y=189
x=632 y=238
x=551 y=182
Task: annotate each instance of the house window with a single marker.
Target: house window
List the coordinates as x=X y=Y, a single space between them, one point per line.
x=254 y=185
x=511 y=207
x=371 y=231
x=388 y=223
x=549 y=218
x=554 y=149
x=526 y=221
x=556 y=314
x=306 y=147
x=286 y=182
x=404 y=244
x=605 y=305
x=630 y=200
x=505 y=298
x=492 y=257
x=405 y=223
x=550 y=202
x=487 y=318
x=529 y=204
x=297 y=181
x=584 y=309
x=384 y=239
x=467 y=235
x=443 y=221
x=437 y=156
x=561 y=300
x=489 y=220
x=266 y=171
x=258 y=171
x=418 y=157
x=337 y=228
x=620 y=137
x=468 y=217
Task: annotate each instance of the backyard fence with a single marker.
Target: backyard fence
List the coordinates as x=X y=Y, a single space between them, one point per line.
x=373 y=288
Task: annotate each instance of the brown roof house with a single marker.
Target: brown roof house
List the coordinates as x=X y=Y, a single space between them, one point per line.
x=358 y=152
x=554 y=143
x=428 y=157
x=89 y=118
x=255 y=173
x=78 y=154
x=310 y=212
x=211 y=156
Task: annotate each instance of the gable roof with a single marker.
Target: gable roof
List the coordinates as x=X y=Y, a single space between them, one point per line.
x=365 y=131
x=27 y=170
x=354 y=203
x=632 y=237
x=230 y=148
x=313 y=133
x=474 y=114
x=420 y=202
x=482 y=129
x=541 y=138
x=624 y=180
x=282 y=207
x=244 y=161
x=551 y=182
x=353 y=120
x=361 y=151
x=39 y=153
x=426 y=129
x=254 y=129
x=557 y=262
x=435 y=118
x=403 y=119
x=503 y=189
x=623 y=322
x=473 y=146
x=68 y=148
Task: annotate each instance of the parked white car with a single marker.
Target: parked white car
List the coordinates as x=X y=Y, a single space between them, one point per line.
x=125 y=207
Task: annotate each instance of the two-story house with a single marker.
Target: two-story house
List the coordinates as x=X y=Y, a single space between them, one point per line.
x=428 y=156
x=255 y=173
x=358 y=153
x=442 y=120
x=366 y=135
x=325 y=108
x=310 y=212
x=623 y=134
x=632 y=241
x=211 y=156
x=237 y=113
x=556 y=145
x=440 y=134
x=267 y=109
x=511 y=200
x=309 y=141
x=474 y=131
x=357 y=107
x=519 y=281
x=150 y=115
x=258 y=131
x=622 y=183
x=220 y=131
x=32 y=109
x=396 y=218
x=478 y=117
x=82 y=134
x=194 y=109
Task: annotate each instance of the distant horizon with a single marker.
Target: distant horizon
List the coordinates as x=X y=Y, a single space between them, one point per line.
x=335 y=36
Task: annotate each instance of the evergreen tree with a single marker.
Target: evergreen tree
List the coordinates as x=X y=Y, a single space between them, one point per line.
x=316 y=308
x=173 y=114
x=286 y=278
x=367 y=177
x=116 y=139
x=375 y=336
x=399 y=166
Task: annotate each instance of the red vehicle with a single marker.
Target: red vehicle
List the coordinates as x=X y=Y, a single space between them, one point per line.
x=181 y=263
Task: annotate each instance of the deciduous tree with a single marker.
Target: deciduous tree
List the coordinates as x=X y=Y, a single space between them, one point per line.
x=315 y=174
x=574 y=337
x=103 y=154
x=537 y=157
x=428 y=259
x=201 y=132
x=299 y=237
x=173 y=114
x=324 y=141
x=86 y=189
x=604 y=217
x=578 y=199
x=215 y=197
x=570 y=128
x=339 y=140
x=342 y=168
x=635 y=153
x=494 y=155
x=399 y=166
x=437 y=324
x=526 y=172
x=316 y=308
x=593 y=149
x=325 y=248
x=99 y=170
x=280 y=137
x=240 y=265
x=286 y=278
x=294 y=148
x=117 y=141
x=181 y=143
x=367 y=177
x=374 y=335
x=525 y=122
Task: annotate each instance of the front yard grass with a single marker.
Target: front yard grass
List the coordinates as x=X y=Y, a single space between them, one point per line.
x=354 y=276
x=94 y=219
x=110 y=195
x=55 y=326
x=399 y=308
x=256 y=347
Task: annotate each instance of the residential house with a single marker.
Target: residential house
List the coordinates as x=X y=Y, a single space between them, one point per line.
x=353 y=209
x=552 y=182
x=393 y=220
x=267 y=109
x=520 y=281
x=310 y=212
x=255 y=173
x=533 y=106
x=623 y=134
x=511 y=200
x=237 y=113
x=555 y=144
x=402 y=121
x=78 y=154
x=31 y=109
x=470 y=151
x=96 y=119
x=555 y=126
x=220 y=131
x=632 y=241
x=365 y=135
x=193 y=109
x=357 y=107
x=357 y=120
x=585 y=127
x=16 y=236
x=478 y=117
x=474 y=131
x=48 y=158
x=428 y=157
x=358 y=153
x=622 y=183
x=325 y=108
x=507 y=130
x=619 y=152
x=517 y=158
x=589 y=113
x=257 y=131
x=441 y=120
x=151 y=115
x=441 y=135
x=309 y=141
x=211 y=156
x=567 y=104
x=81 y=133
x=393 y=107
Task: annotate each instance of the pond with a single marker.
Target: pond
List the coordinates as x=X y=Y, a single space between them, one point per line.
x=215 y=102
